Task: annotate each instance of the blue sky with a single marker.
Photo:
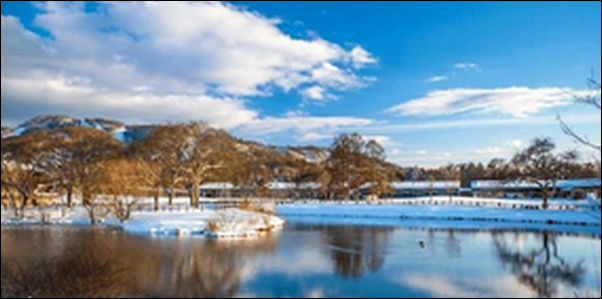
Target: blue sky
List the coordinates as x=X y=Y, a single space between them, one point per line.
x=436 y=82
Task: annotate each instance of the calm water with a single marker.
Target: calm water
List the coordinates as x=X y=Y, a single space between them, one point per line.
x=304 y=261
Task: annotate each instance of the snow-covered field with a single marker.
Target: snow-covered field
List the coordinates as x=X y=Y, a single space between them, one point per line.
x=227 y=224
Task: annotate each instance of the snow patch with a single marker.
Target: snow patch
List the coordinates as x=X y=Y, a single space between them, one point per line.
x=227 y=224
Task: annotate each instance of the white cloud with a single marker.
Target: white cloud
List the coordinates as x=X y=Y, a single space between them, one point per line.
x=395 y=152
x=317 y=93
x=436 y=79
x=445 y=287
x=361 y=58
x=491 y=151
x=471 y=123
x=516 y=144
x=467 y=66
x=382 y=140
x=308 y=126
x=422 y=153
x=155 y=61
x=70 y=96
x=296 y=113
x=312 y=137
x=519 y=102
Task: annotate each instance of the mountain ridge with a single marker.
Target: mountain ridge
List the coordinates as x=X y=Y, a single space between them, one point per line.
x=131 y=133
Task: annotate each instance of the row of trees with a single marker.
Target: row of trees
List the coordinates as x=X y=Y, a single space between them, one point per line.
x=91 y=165
x=540 y=164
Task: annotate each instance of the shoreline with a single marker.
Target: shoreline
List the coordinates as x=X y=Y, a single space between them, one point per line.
x=420 y=213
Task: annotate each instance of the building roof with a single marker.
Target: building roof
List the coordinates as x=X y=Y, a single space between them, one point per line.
x=426 y=185
x=579 y=184
x=522 y=185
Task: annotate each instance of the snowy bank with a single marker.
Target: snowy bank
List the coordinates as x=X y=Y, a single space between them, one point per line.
x=478 y=216
x=227 y=224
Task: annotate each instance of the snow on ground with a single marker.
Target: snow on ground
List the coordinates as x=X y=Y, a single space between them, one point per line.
x=208 y=223
x=441 y=213
x=438 y=212
x=213 y=224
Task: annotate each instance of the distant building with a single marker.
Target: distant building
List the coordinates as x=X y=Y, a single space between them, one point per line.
x=575 y=189
x=418 y=189
x=276 y=190
x=425 y=189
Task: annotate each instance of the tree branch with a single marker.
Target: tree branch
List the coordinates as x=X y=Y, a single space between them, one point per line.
x=571 y=133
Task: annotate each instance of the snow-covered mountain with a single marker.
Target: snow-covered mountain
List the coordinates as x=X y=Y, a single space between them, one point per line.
x=120 y=131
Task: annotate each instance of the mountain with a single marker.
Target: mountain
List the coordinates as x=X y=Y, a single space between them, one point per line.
x=120 y=131
x=310 y=154
x=131 y=133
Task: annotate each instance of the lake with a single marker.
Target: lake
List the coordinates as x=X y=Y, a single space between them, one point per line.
x=302 y=261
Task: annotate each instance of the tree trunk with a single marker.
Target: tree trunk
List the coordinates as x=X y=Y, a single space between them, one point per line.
x=86 y=199
x=23 y=207
x=91 y=215
x=170 y=195
x=545 y=200
x=157 y=198
x=194 y=195
x=70 y=197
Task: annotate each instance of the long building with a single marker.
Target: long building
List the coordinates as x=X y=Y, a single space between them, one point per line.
x=574 y=189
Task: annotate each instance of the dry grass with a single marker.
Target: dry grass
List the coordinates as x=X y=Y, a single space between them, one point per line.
x=214 y=227
x=255 y=208
x=79 y=276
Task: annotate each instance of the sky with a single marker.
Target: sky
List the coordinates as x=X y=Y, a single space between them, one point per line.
x=434 y=82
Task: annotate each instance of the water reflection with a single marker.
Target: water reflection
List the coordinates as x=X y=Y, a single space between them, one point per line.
x=356 y=250
x=305 y=261
x=542 y=268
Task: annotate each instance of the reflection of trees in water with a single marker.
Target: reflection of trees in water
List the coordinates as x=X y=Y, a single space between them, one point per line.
x=105 y=265
x=208 y=270
x=452 y=245
x=543 y=269
x=355 y=250
x=84 y=272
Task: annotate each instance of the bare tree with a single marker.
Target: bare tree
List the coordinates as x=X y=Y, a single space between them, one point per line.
x=210 y=151
x=165 y=151
x=125 y=182
x=345 y=165
x=592 y=100
x=25 y=165
x=540 y=165
x=376 y=172
x=83 y=153
x=352 y=163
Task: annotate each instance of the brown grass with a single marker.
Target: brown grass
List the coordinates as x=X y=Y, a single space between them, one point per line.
x=79 y=276
x=254 y=208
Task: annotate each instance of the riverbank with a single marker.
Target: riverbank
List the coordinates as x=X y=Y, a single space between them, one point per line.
x=226 y=224
x=465 y=213
x=439 y=212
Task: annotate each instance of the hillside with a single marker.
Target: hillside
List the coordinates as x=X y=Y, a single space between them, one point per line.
x=128 y=134
x=131 y=133
x=118 y=130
